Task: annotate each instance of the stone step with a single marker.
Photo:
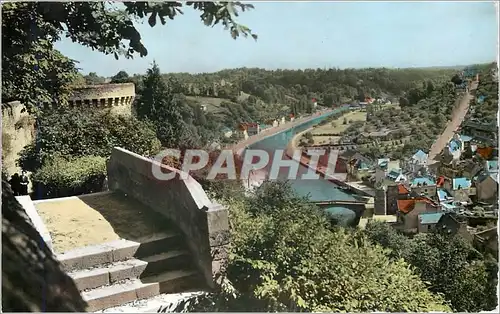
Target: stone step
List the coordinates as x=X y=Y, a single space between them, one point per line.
x=119 y=250
x=137 y=289
x=163 y=262
x=108 y=274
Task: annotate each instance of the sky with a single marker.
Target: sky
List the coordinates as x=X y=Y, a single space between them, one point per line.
x=302 y=35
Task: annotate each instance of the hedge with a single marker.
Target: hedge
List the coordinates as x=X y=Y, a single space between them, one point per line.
x=60 y=177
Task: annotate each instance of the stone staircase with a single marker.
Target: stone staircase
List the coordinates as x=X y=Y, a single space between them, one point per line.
x=123 y=271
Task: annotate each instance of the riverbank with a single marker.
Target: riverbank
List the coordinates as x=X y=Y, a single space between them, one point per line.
x=238 y=148
x=336 y=178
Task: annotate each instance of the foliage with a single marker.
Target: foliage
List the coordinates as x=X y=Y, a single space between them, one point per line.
x=121 y=77
x=285 y=257
x=159 y=105
x=423 y=113
x=76 y=133
x=486 y=110
x=34 y=72
x=60 y=177
x=93 y=79
x=449 y=265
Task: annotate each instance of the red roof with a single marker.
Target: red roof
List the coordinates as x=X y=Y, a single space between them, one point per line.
x=407 y=206
x=402 y=189
x=246 y=125
x=440 y=181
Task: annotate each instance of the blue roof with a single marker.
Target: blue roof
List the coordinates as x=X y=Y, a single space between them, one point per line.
x=394 y=173
x=464 y=183
x=492 y=166
x=442 y=194
x=383 y=161
x=454 y=145
x=430 y=218
x=420 y=154
x=448 y=207
x=427 y=181
x=465 y=138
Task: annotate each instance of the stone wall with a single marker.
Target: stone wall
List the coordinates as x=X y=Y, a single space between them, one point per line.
x=204 y=224
x=18 y=130
x=116 y=98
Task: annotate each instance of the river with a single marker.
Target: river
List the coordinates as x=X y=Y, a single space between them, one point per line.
x=316 y=190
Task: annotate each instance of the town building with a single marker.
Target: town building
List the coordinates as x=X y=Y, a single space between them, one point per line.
x=227 y=132
x=410 y=209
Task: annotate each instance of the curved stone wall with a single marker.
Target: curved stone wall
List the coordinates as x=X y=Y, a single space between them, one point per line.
x=117 y=98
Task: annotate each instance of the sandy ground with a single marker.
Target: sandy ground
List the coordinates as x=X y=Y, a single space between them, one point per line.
x=339 y=127
x=91 y=220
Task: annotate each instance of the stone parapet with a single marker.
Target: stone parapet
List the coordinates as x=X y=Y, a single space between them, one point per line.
x=117 y=98
x=204 y=224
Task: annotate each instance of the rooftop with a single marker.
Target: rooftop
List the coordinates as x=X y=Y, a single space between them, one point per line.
x=442 y=194
x=492 y=166
x=420 y=154
x=461 y=183
x=430 y=218
x=422 y=181
x=407 y=206
x=465 y=138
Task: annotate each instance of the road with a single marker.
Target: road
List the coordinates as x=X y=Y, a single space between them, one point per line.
x=456 y=120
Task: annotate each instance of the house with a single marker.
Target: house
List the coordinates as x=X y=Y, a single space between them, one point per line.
x=408 y=211
x=424 y=186
x=247 y=129
x=443 y=196
x=485 y=152
x=393 y=193
x=450 y=225
x=227 y=132
x=419 y=158
x=478 y=129
x=488 y=240
x=492 y=167
x=204 y=107
x=427 y=221
x=455 y=148
x=461 y=184
x=486 y=187
x=461 y=189
x=282 y=121
x=396 y=175
x=354 y=161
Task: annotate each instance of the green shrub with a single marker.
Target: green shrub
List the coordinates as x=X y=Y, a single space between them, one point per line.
x=60 y=177
x=74 y=133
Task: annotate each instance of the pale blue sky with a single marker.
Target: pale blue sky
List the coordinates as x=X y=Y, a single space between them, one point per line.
x=312 y=35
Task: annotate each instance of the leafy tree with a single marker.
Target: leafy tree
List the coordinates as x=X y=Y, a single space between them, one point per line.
x=284 y=256
x=121 y=77
x=74 y=133
x=34 y=72
x=159 y=105
x=448 y=263
x=456 y=79
x=93 y=79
